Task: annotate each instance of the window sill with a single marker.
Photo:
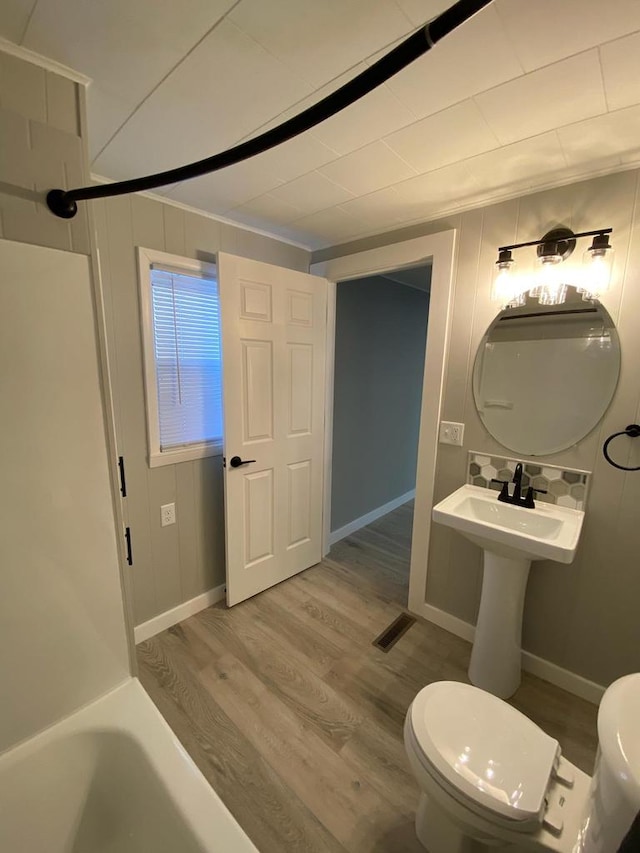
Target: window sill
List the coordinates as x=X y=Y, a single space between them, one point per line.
x=184 y=454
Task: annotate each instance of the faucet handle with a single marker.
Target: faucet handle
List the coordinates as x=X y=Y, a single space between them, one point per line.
x=504 y=491
x=528 y=501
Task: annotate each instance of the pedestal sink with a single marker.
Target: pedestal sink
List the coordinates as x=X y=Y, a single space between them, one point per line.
x=511 y=538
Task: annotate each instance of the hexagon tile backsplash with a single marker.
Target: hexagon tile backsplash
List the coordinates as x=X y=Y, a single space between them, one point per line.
x=565 y=486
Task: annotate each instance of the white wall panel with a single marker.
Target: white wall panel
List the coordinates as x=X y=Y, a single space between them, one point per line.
x=62 y=632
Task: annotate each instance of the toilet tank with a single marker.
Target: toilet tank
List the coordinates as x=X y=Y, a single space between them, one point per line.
x=615 y=788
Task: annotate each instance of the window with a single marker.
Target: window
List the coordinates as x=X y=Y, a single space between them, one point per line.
x=183 y=365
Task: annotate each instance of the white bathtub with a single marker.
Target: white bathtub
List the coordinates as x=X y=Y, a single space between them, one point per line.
x=112 y=778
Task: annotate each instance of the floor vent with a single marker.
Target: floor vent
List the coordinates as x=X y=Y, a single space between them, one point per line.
x=392 y=634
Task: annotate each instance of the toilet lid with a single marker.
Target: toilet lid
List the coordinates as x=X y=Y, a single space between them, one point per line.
x=487 y=750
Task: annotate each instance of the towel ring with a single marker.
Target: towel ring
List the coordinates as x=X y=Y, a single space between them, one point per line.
x=633 y=431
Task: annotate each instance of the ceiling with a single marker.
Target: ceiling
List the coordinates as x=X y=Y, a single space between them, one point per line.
x=525 y=95
x=417 y=277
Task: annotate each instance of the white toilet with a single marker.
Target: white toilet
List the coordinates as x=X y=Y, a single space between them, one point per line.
x=491 y=778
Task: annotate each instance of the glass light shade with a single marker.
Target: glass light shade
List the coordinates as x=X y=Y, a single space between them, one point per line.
x=503 y=283
x=549 y=287
x=549 y=272
x=596 y=279
x=505 y=286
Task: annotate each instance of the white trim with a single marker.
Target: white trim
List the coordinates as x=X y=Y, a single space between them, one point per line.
x=177 y=262
x=185 y=454
x=564 y=678
x=384 y=259
x=177 y=614
x=439 y=248
x=551 y=672
x=358 y=523
x=165 y=199
x=155 y=456
x=43 y=62
x=448 y=621
x=330 y=366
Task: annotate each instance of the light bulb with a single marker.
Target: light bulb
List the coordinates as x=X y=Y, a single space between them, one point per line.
x=549 y=288
x=503 y=285
x=549 y=275
x=504 y=289
x=597 y=263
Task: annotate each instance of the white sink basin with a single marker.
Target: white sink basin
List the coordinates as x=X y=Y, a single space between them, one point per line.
x=547 y=532
x=511 y=537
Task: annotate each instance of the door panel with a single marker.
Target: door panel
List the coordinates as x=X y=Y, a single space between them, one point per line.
x=259 y=510
x=300 y=385
x=300 y=308
x=299 y=503
x=256 y=301
x=257 y=390
x=274 y=340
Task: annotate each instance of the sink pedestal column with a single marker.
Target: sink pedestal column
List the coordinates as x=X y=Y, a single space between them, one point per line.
x=495 y=659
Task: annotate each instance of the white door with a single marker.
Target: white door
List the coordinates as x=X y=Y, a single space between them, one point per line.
x=273 y=344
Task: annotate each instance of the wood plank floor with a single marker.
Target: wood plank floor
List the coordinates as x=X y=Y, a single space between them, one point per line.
x=296 y=719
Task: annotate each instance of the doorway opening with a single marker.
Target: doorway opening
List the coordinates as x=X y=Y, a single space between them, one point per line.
x=380 y=342
x=438 y=249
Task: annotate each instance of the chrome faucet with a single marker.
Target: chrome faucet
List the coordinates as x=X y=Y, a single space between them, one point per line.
x=516 y=496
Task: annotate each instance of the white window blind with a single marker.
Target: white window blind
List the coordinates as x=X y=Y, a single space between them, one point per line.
x=187 y=349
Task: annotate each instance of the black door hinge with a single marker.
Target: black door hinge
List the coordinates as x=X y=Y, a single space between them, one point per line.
x=127 y=539
x=123 y=482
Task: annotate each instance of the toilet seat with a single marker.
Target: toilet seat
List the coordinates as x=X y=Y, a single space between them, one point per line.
x=489 y=753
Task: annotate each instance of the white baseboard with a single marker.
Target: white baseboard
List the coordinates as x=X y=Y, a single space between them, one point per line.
x=449 y=622
x=357 y=523
x=177 y=614
x=540 y=667
x=569 y=681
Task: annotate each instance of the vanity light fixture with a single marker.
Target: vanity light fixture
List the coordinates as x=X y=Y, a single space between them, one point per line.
x=549 y=284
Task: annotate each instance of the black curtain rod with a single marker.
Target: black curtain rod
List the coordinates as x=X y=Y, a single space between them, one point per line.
x=63 y=202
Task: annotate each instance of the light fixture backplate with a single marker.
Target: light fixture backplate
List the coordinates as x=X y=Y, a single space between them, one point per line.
x=564 y=240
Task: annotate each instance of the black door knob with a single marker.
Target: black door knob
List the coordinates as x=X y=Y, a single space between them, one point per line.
x=236 y=461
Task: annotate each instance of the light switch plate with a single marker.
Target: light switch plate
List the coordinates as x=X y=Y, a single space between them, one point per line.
x=167 y=514
x=451 y=433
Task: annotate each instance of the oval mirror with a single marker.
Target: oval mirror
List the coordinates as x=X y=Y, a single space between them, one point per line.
x=544 y=375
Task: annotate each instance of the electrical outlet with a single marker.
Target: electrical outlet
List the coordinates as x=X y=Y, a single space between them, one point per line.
x=167 y=514
x=451 y=433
